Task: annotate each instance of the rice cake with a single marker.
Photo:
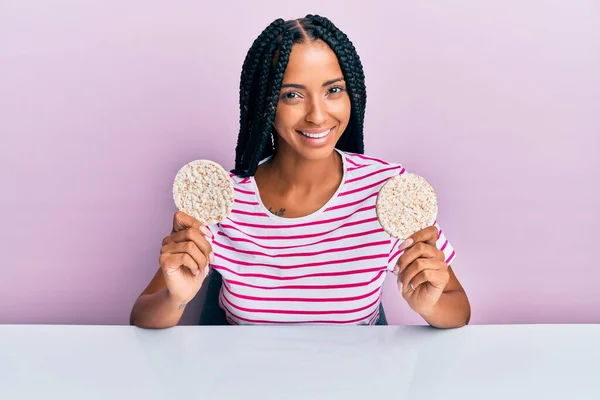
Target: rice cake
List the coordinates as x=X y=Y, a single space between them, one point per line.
x=406 y=204
x=204 y=190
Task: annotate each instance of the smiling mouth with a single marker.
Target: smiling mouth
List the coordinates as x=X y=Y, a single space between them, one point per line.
x=316 y=135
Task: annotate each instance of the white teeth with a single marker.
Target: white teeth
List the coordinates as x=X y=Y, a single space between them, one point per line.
x=317 y=135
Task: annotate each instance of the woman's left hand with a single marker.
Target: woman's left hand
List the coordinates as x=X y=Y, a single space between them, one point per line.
x=422 y=271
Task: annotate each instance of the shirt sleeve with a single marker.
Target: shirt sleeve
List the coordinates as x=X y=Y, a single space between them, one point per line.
x=442 y=244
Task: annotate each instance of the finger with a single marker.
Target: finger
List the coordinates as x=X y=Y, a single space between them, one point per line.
x=419 y=250
x=428 y=235
x=183 y=221
x=172 y=262
x=434 y=277
x=180 y=235
x=190 y=248
x=411 y=271
x=417 y=268
x=193 y=235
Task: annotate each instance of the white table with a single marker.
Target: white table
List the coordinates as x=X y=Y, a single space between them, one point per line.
x=311 y=362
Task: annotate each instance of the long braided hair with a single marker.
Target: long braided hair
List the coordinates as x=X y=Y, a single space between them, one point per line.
x=262 y=76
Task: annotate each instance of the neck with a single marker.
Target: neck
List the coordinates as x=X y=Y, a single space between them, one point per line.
x=294 y=171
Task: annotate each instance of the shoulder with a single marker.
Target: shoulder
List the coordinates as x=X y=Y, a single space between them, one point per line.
x=361 y=164
x=365 y=174
x=367 y=160
x=239 y=180
x=244 y=191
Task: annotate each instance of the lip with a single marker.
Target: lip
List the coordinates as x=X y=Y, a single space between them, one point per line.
x=314 y=131
x=317 y=142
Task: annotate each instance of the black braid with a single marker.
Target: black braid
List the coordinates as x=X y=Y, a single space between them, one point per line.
x=270 y=102
x=249 y=80
x=262 y=76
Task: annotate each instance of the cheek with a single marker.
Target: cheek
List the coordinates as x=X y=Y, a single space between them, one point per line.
x=279 y=119
x=341 y=110
x=285 y=118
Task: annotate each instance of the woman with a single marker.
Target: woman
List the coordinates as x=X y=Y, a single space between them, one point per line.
x=303 y=244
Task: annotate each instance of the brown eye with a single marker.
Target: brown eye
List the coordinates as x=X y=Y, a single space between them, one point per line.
x=336 y=89
x=290 y=96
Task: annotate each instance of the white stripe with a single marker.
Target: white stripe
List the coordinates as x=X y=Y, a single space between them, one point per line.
x=308 y=255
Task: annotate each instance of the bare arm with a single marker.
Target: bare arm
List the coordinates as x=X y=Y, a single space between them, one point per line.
x=429 y=284
x=183 y=263
x=452 y=309
x=155 y=308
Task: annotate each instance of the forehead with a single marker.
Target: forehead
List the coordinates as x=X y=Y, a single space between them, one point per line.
x=312 y=62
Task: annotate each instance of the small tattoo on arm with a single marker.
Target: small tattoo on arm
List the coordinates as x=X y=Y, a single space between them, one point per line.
x=277 y=213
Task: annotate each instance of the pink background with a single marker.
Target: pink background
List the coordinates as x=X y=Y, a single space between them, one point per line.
x=496 y=103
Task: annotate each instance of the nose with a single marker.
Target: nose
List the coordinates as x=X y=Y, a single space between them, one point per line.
x=317 y=113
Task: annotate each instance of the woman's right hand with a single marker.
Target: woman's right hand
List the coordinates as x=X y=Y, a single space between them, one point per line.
x=184 y=257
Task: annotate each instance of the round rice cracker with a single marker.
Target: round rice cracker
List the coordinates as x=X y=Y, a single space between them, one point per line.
x=203 y=190
x=406 y=204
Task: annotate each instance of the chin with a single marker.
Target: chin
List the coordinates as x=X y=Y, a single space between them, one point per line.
x=321 y=153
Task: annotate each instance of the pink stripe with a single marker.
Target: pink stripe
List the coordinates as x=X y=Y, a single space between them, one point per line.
x=250 y=203
x=243 y=191
x=262 y=321
x=305 y=265
x=308 y=287
x=372 y=173
x=362 y=188
x=333 y=239
x=352 y=203
x=254 y=214
x=247 y=180
x=355 y=163
x=396 y=254
x=318 y=222
x=440 y=233
x=377 y=160
x=287 y=278
x=231 y=175
x=450 y=258
x=299 y=312
x=355 y=168
x=364 y=221
x=303 y=299
x=307 y=254
x=444 y=246
x=374 y=318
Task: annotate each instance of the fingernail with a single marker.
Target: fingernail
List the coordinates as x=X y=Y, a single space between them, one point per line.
x=211 y=257
x=400 y=287
x=197 y=273
x=405 y=244
x=206 y=271
x=395 y=271
x=206 y=231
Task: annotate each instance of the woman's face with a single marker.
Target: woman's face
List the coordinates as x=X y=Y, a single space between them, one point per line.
x=314 y=107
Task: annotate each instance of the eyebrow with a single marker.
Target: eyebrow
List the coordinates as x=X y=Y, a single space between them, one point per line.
x=296 y=86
